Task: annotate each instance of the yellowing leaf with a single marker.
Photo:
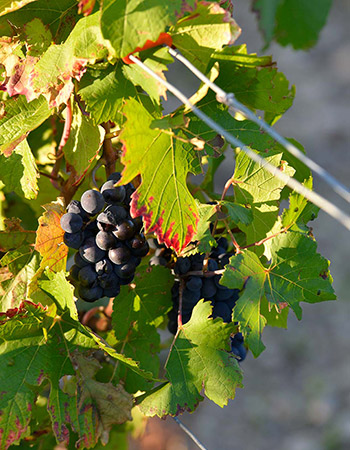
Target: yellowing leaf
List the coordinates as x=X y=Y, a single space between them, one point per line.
x=49 y=239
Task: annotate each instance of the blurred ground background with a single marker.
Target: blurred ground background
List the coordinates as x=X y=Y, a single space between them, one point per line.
x=297 y=393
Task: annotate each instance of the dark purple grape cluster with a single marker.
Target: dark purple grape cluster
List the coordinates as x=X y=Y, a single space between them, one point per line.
x=110 y=243
x=206 y=287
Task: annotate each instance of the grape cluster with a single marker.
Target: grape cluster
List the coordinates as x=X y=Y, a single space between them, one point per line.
x=208 y=288
x=109 y=242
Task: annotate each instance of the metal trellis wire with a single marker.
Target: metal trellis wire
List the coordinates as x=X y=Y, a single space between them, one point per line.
x=230 y=100
x=310 y=195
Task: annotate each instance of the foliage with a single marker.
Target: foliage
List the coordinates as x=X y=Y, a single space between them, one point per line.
x=69 y=105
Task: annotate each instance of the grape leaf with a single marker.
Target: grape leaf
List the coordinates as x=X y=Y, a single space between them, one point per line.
x=19 y=171
x=163 y=199
x=209 y=28
x=127 y=24
x=14 y=235
x=298 y=25
x=104 y=95
x=59 y=17
x=256 y=187
x=23 y=265
x=18 y=119
x=29 y=355
x=53 y=73
x=254 y=80
x=38 y=37
x=296 y=273
x=238 y=213
x=84 y=142
x=300 y=211
x=7 y=6
x=140 y=309
x=61 y=291
x=266 y=10
x=49 y=237
x=157 y=60
x=204 y=241
x=198 y=361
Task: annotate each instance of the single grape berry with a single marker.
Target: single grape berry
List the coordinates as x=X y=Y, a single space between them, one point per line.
x=111 y=193
x=124 y=230
x=103 y=266
x=92 y=202
x=90 y=252
x=105 y=240
x=87 y=276
x=90 y=294
x=73 y=240
x=125 y=270
x=71 y=223
x=119 y=255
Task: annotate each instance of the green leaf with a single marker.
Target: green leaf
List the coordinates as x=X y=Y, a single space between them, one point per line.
x=61 y=291
x=59 y=17
x=209 y=28
x=254 y=80
x=163 y=199
x=296 y=273
x=199 y=360
x=84 y=142
x=52 y=76
x=256 y=187
x=297 y=24
x=238 y=213
x=23 y=265
x=14 y=236
x=19 y=171
x=246 y=272
x=29 y=354
x=140 y=309
x=128 y=24
x=266 y=10
x=38 y=37
x=157 y=60
x=300 y=211
x=104 y=95
x=7 y=6
x=18 y=119
x=204 y=238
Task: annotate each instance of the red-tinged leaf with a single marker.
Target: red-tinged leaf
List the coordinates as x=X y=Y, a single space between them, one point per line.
x=163 y=199
x=14 y=235
x=85 y=7
x=49 y=239
x=53 y=74
x=128 y=24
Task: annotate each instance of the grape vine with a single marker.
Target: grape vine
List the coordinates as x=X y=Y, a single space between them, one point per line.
x=105 y=199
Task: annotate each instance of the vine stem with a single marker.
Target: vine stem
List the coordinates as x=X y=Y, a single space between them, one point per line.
x=63 y=141
x=233 y=239
x=179 y=320
x=109 y=154
x=189 y=433
x=256 y=244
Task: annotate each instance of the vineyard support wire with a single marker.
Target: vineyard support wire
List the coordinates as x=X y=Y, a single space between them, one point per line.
x=230 y=100
x=189 y=433
x=312 y=196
